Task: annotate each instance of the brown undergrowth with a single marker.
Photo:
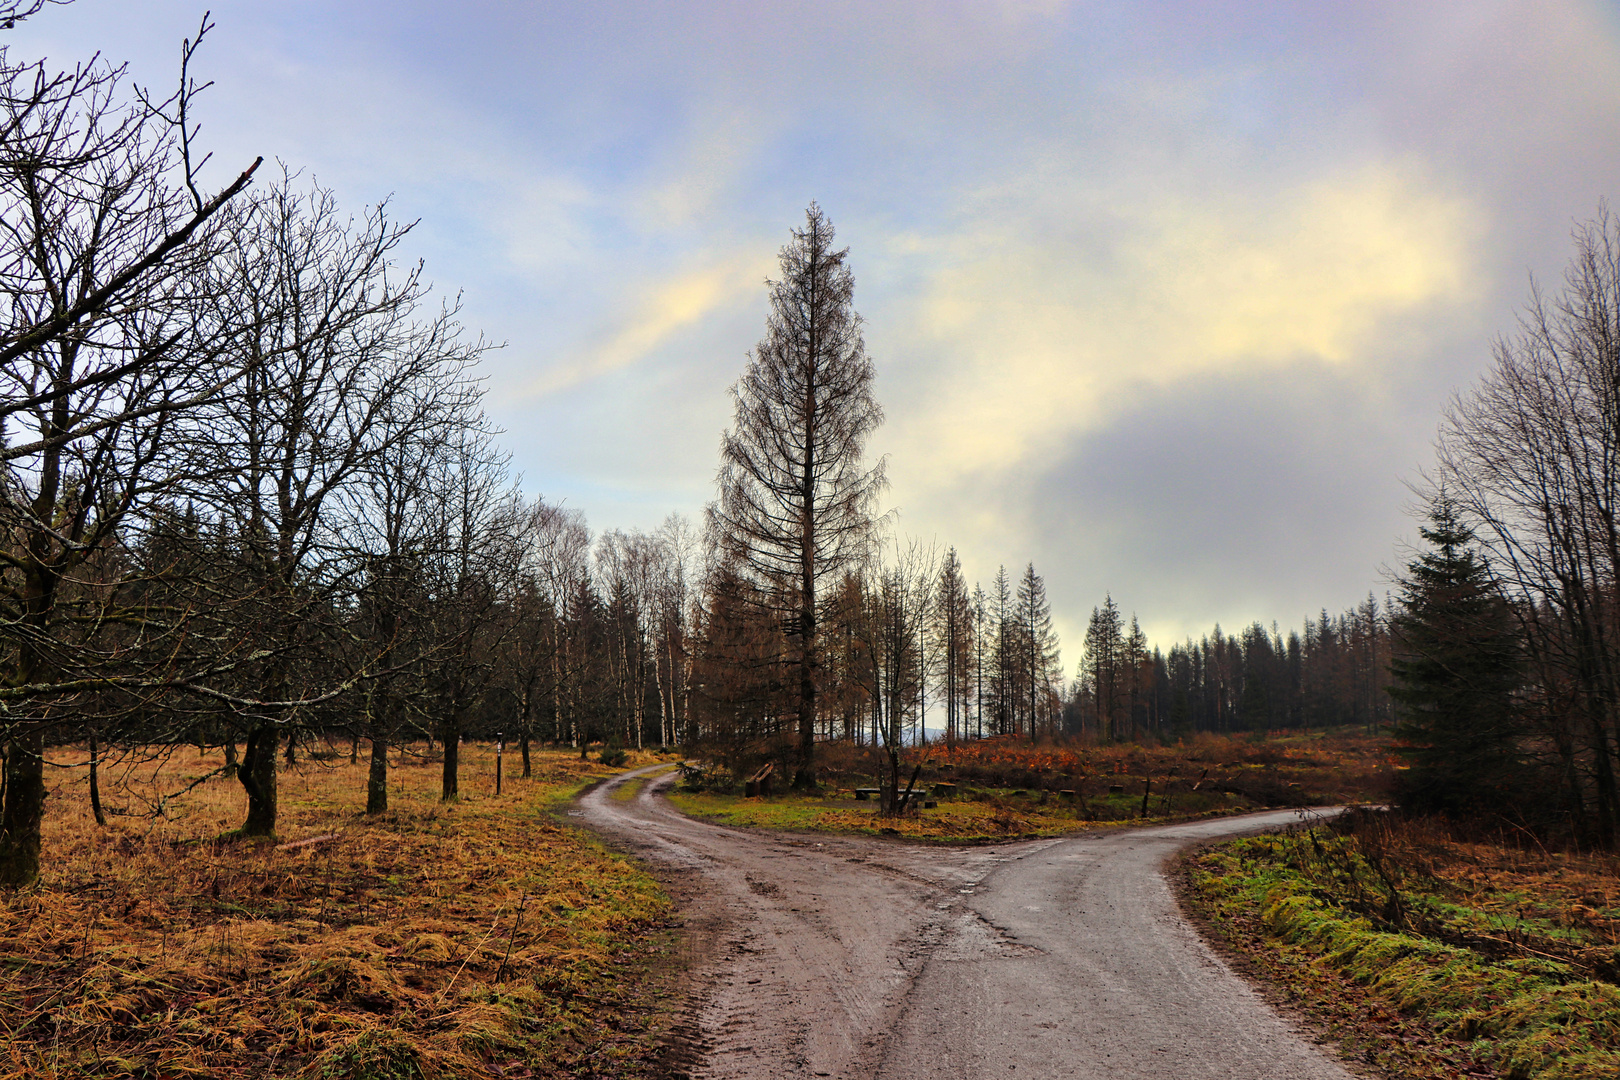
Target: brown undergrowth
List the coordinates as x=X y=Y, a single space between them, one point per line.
x=1007 y=788
x=1427 y=952
x=482 y=937
x=1279 y=769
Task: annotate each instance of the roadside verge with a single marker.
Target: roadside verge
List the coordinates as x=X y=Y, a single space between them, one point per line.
x=1390 y=959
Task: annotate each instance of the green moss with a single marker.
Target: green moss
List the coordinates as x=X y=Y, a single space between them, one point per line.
x=627 y=791
x=376 y=1054
x=1532 y=1019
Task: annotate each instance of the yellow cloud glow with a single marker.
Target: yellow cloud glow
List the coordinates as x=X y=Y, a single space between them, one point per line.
x=1039 y=338
x=662 y=311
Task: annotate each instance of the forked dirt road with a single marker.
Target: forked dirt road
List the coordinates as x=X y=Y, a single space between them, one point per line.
x=856 y=958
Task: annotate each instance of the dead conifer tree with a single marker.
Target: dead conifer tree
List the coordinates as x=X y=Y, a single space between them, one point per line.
x=796 y=499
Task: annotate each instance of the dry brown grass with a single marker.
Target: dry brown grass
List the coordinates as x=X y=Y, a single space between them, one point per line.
x=433 y=941
x=1499 y=891
x=1005 y=788
x=1283 y=769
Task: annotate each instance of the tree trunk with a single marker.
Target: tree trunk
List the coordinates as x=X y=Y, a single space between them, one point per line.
x=24 y=808
x=258 y=776
x=1604 y=784
x=377 y=778
x=526 y=722
x=639 y=684
x=891 y=797
x=230 y=757
x=804 y=778
x=663 y=702
x=95 y=782
x=450 y=735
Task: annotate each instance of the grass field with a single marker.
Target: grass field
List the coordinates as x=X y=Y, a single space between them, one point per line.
x=999 y=789
x=1429 y=955
x=479 y=938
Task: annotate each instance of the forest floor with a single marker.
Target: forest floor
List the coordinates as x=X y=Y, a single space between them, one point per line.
x=1424 y=954
x=993 y=790
x=483 y=937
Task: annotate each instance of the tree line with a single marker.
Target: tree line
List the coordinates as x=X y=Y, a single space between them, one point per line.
x=1332 y=672
x=907 y=651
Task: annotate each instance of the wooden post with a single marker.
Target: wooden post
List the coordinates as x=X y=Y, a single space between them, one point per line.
x=499 y=748
x=1147 y=786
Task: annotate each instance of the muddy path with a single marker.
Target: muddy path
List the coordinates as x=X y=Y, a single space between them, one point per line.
x=852 y=957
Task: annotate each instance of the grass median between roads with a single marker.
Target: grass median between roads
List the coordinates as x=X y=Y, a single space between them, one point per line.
x=1425 y=955
x=1006 y=789
x=484 y=937
x=980 y=816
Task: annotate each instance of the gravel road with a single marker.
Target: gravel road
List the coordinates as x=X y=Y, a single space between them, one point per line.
x=855 y=958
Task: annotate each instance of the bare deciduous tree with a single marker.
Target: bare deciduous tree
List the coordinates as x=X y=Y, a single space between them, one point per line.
x=105 y=243
x=900 y=598
x=392 y=515
x=474 y=575
x=1532 y=458
x=340 y=368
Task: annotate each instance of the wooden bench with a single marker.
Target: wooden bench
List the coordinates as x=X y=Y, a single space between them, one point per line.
x=862 y=794
x=758 y=786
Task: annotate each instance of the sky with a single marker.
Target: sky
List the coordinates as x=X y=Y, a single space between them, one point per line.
x=1166 y=298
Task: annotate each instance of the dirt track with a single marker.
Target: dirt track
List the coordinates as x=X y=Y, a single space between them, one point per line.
x=847 y=957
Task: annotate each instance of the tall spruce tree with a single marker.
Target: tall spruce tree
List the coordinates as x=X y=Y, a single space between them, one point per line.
x=1039 y=641
x=953 y=618
x=796 y=498
x=1104 y=649
x=1456 y=667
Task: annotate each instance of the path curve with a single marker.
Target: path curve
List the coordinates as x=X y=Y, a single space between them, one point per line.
x=860 y=958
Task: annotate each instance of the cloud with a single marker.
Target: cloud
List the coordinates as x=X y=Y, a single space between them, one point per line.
x=1034 y=336
x=1112 y=255
x=660 y=314
x=707 y=167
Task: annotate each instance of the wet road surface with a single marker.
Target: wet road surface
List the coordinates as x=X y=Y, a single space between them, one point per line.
x=853 y=957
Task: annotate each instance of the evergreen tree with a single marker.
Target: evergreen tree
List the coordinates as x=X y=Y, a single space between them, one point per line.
x=796 y=499
x=1104 y=651
x=953 y=617
x=1256 y=699
x=1039 y=642
x=1003 y=696
x=1456 y=669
